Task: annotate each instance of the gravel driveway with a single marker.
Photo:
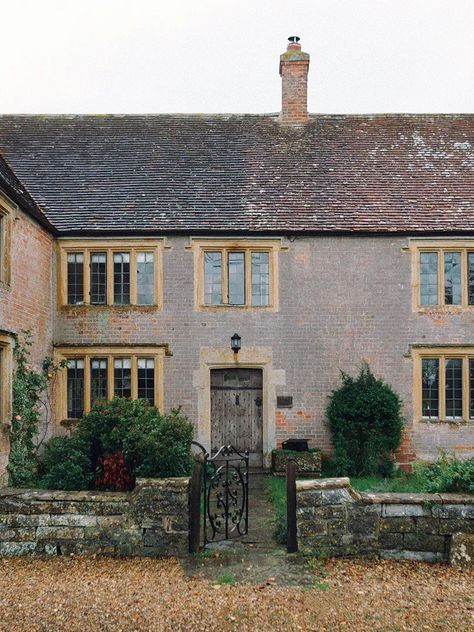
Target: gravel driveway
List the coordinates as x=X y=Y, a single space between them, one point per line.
x=146 y=594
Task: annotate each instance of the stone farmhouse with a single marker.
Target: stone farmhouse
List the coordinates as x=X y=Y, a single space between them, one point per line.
x=136 y=246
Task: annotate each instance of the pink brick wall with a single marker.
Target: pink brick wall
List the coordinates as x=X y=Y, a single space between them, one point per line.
x=27 y=304
x=342 y=300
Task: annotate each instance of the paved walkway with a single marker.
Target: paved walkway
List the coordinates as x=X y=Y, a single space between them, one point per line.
x=255 y=558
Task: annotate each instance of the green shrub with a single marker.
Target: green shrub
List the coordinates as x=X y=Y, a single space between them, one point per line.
x=30 y=404
x=365 y=420
x=161 y=446
x=22 y=465
x=109 y=424
x=447 y=474
x=66 y=464
x=122 y=439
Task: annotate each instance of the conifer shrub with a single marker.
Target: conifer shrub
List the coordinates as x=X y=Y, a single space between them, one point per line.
x=364 y=416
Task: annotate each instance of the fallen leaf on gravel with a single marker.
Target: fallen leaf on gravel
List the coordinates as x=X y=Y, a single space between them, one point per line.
x=79 y=594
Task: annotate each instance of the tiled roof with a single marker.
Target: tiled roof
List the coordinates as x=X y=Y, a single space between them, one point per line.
x=205 y=173
x=14 y=189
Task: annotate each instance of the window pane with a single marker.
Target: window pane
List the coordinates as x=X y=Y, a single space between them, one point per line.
x=75 y=388
x=75 y=278
x=260 y=278
x=470 y=277
x=123 y=377
x=146 y=379
x=145 y=278
x=122 y=278
x=236 y=275
x=471 y=388
x=98 y=379
x=98 y=278
x=1 y=386
x=212 y=278
x=428 y=278
x=454 y=388
x=430 y=387
x=2 y=232
x=452 y=278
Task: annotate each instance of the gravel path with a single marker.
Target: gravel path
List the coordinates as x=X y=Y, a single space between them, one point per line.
x=89 y=594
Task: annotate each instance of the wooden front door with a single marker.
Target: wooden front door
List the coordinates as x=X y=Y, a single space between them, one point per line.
x=237 y=411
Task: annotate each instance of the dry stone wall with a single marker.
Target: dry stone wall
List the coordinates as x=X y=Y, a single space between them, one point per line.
x=152 y=520
x=334 y=519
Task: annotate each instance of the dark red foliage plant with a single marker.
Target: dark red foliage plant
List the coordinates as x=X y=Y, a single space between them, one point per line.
x=116 y=476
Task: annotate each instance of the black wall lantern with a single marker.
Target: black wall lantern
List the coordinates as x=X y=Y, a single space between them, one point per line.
x=235 y=343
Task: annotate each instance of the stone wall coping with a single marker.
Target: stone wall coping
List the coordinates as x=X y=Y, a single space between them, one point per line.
x=384 y=498
x=457 y=499
x=60 y=494
x=322 y=483
x=170 y=484
x=398 y=498
x=176 y=483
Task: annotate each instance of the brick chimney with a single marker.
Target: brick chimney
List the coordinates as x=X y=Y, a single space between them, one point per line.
x=294 y=66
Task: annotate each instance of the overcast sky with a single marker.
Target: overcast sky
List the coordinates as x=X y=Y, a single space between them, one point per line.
x=222 y=55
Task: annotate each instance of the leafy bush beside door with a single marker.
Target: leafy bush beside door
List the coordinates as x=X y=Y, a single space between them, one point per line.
x=365 y=420
x=115 y=442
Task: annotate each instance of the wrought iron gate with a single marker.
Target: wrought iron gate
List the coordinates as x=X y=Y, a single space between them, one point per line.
x=226 y=499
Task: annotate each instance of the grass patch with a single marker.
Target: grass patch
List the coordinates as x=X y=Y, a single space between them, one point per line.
x=226 y=578
x=277 y=490
x=320 y=574
x=401 y=483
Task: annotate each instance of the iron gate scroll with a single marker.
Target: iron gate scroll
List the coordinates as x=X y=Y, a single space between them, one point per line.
x=226 y=498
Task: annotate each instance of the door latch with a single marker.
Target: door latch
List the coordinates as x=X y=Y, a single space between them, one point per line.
x=237 y=399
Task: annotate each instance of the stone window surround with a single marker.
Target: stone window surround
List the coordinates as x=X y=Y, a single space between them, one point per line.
x=247 y=245
x=156 y=352
x=6 y=368
x=66 y=246
x=247 y=358
x=443 y=352
x=8 y=212
x=448 y=244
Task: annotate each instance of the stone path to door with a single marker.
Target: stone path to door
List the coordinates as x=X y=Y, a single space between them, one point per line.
x=255 y=558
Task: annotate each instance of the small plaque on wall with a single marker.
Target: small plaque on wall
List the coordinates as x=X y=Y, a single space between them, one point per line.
x=284 y=401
